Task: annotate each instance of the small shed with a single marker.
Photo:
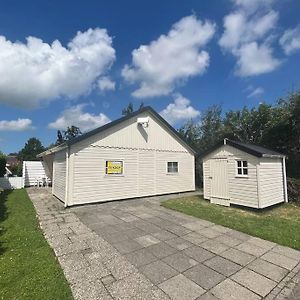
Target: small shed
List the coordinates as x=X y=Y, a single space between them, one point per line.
x=244 y=174
x=135 y=156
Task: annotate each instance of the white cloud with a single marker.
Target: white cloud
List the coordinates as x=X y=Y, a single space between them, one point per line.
x=36 y=71
x=16 y=125
x=247 y=35
x=290 y=40
x=171 y=59
x=106 y=84
x=180 y=110
x=75 y=116
x=255 y=92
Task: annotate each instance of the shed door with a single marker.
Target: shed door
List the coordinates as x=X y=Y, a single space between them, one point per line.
x=219 y=178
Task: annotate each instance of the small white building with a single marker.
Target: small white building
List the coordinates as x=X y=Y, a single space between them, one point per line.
x=244 y=174
x=137 y=155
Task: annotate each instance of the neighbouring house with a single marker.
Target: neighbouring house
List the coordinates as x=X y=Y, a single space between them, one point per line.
x=244 y=174
x=137 y=155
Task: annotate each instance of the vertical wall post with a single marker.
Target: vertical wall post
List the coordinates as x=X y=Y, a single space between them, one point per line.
x=284 y=180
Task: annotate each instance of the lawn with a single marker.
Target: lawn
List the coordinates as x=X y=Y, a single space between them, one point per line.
x=28 y=267
x=280 y=224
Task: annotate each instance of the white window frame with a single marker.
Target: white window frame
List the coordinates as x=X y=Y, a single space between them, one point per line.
x=244 y=166
x=114 y=175
x=172 y=173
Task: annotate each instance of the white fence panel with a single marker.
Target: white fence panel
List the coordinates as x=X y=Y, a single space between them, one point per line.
x=32 y=170
x=11 y=183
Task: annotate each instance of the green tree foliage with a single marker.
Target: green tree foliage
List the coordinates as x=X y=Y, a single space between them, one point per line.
x=2 y=164
x=67 y=135
x=276 y=127
x=130 y=109
x=31 y=149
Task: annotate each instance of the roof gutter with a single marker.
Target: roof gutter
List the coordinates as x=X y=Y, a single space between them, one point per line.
x=52 y=150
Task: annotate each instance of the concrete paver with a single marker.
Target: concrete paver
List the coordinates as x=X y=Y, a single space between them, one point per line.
x=136 y=249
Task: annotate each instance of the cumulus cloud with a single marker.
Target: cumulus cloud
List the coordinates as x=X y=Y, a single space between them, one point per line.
x=290 y=40
x=255 y=92
x=106 y=84
x=16 y=125
x=36 y=71
x=77 y=117
x=171 y=59
x=179 y=110
x=247 y=34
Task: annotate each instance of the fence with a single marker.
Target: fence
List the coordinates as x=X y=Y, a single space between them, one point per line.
x=11 y=183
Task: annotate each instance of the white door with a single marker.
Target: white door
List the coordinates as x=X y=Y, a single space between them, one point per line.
x=219 y=178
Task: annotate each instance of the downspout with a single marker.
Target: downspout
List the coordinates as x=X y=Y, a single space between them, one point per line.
x=284 y=180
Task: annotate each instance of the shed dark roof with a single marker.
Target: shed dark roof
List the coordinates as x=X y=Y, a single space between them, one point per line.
x=118 y=121
x=252 y=149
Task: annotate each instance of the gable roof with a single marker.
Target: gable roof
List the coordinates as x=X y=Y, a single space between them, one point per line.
x=88 y=134
x=252 y=149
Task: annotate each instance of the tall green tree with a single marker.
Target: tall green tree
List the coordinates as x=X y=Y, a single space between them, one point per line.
x=31 y=149
x=2 y=164
x=129 y=109
x=71 y=133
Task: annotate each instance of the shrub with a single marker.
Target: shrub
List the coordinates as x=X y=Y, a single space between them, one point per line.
x=293 y=187
x=2 y=164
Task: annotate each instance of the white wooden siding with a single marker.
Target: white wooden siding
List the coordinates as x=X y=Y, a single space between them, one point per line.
x=242 y=190
x=145 y=174
x=130 y=135
x=271 y=181
x=59 y=175
x=32 y=170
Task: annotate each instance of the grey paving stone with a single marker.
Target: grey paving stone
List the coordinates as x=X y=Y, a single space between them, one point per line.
x=207 y=296
x=161 y=250
x=178 y=230
x=141 y=257
x=115 y=237
x=251 y=249
x=109 y=279
x=238 y=256
x=214 y=246
x=228 y=240
x=254 y=281
x=286 y=251
x=280 y=260
x=180 y=261
x=197 y=225
x=204 y=276
x=230 y=290
x=222 y=265
x=129 y=218
x=158 y=271
x=239 y=235
x=267 y=269
x=261 y=243
x=208 y=232
x=135 y=233
x=221 y=229
x=195 y=238
x=127 y=246
x=179 y=243
x=147 y=240
x=198 y=253
x=181 y=288
x=164 y=235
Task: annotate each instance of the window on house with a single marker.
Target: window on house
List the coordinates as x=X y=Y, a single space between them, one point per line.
x=172 y=167
x=242 y=167
x=113 y=167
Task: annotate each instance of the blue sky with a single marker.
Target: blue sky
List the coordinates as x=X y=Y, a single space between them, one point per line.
x=84 y=61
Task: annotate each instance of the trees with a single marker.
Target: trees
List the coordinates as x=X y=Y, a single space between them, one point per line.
x=2 y=164
x=130 y=109
x=68 y=134
x=31 y=149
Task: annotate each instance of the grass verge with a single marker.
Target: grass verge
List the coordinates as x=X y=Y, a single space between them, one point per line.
x=28 y=267
x=280 y=224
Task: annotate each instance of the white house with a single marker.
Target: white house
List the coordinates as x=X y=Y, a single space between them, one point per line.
x=137 y=155
x=244 y=174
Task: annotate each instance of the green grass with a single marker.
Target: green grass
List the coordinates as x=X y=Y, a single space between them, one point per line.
x=280 y=224
x=28 y=267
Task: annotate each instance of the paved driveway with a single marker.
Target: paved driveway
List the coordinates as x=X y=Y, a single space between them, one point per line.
x=136 y=249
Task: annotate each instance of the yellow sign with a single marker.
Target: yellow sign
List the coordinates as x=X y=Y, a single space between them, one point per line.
x=114 y=167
